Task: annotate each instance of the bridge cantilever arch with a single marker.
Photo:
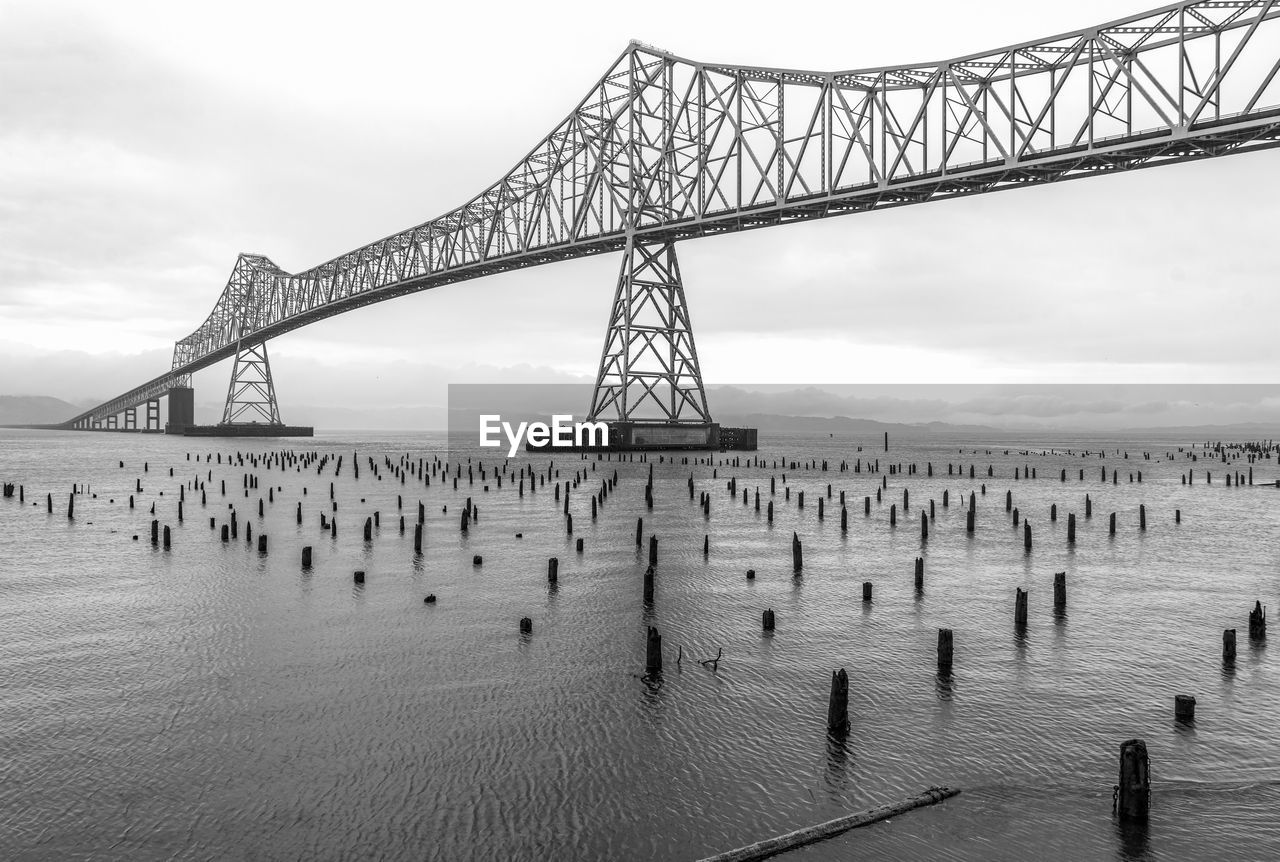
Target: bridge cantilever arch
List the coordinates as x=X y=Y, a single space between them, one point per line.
x=664 y=149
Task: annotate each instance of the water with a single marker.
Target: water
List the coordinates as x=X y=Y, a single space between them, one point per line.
x=208 y=702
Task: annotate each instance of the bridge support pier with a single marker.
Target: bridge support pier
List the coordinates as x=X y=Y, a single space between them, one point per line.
x=131 y=419
x=153 y=415
x=182 y=409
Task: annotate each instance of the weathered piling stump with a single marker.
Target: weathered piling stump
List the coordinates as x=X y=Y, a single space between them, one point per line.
x=1258 y=622
x=1071 y=528
x=1184 y=708
x=526 y=625
x=648 y=584
x=155 y=532
x=553 y=570
x=945 y=650
x=797 y=553
x=167 y=537
x=1228 y=646
x=1059 y=591
x=1026 y=536
x=653 y=550
x=969 y=521
x=1020 y=609
x=262 y=543
x=919 y=574
x=306 y=557
x=653 y=652
x=358 y=576
x=866 y=591
x=838 y=704
x=767 y=620
x=1133 y=793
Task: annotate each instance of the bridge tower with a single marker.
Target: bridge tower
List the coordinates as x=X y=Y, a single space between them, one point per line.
x=649 y=384
x=251 y=397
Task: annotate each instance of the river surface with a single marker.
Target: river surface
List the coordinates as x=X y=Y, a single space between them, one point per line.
x=211 y=702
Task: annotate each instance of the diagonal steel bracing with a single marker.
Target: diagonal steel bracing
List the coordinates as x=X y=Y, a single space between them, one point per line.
x=251 y=397
x=649 y=366
x=663 y=148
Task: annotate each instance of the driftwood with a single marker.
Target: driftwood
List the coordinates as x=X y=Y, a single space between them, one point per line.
x=801 y=837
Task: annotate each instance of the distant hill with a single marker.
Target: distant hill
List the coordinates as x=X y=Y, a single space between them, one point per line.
x=845 y=425
x=35 y=410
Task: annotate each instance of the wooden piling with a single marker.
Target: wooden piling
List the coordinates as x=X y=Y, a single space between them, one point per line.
x=306 y=557
x=838 y=704
x=1071 y=528
x=653 y=652
x=1258 y=622
x=1133 y=793
x=1184 y=708
x=653 y=551
x=1059 y=591
x=919 y=574
x=648 y=584
x=866 y=591
x=797 y=553
x=767 y=620
x=1020 y=609
x=945 y=650
x=1228 y=646
x=553 y=570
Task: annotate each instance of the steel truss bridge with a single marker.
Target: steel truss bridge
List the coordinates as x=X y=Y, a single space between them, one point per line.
x=664 y=149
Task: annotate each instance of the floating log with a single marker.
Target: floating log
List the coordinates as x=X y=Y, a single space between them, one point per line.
x=801 y=837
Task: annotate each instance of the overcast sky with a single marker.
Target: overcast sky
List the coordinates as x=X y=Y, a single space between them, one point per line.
x=144 y=145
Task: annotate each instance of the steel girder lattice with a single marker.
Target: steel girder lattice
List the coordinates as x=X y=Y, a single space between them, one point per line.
x=649 y=365
x=251 y=397
x=667 y=148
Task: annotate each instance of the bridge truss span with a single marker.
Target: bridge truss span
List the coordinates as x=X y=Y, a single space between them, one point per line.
x=664 y=149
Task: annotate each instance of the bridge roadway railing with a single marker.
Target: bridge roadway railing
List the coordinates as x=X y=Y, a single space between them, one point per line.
x=668 y=148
